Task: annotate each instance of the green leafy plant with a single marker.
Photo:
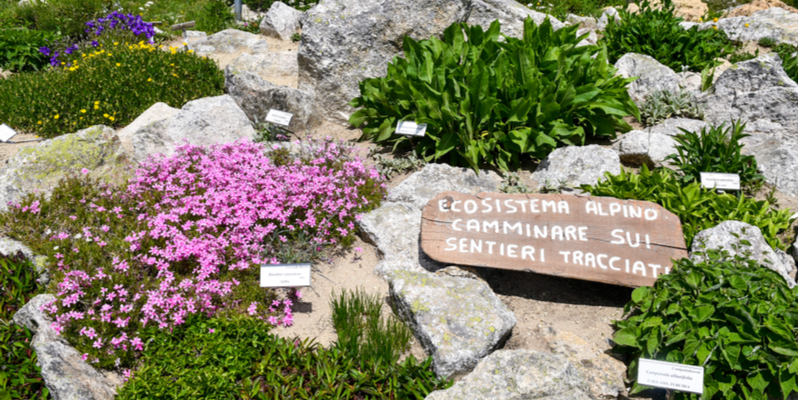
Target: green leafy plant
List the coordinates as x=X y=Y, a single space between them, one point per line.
x=715 y=149
x=488 y=101
x=20 y=377
x=733 y=317
x=707 y=78
x=657 y=33
x=65 y=18
x=788 y=55
x=767 y=42
x=512 y=183
x=216 y=16
x=397 y=165
x=697 y=208
x=665 y=104
x=264 y=5
x=742 y=56
x=296 y=37
x=19 y=49
x=362 y=331
x=111 y=85
x=239 y=358
x=561 y=8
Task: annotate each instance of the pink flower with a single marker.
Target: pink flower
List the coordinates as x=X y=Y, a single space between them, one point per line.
x=85 y=356
x=210 y=330
x=84 y=171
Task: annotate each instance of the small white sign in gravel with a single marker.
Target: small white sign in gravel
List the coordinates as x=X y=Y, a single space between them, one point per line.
x=282 y=118
x=667 y=375
x=411 y=128
x=6 y=133
x=286 y=275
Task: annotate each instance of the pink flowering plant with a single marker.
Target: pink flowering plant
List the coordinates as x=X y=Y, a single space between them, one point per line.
x=187 y=236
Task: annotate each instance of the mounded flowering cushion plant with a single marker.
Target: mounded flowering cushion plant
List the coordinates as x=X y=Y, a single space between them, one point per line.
x=187 y=236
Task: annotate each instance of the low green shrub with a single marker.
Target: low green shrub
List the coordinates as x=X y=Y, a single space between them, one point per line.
x=361 y=330
x=112 y=85
x=20 y=377
x=19 y=49
x=697 y=208
x=657 y=33
x=742 y=56
x=488 y=101
x=389 y=167
x=715 y=149
x=66 y=18
x=665 y=104
x=215 y=16
x=240 y=359
x=733 y=317
x=264 y=5
x=767 y=42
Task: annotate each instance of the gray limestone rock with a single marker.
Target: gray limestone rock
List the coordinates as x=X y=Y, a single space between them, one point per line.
x=457 y=320
x=347 y=41
x=652 y=75
x=257 y=96
x=281 y=21
x=590 y=40
x=759 y=93
x=510 y=13
x=576 y=165
x=65 y=373
x=156 y=112
x=584 y=22
x=394 y=228
x=39 y=168
x=609 y=12
x=721 y=237
x=201 y=122
x=652 y=145
x=775 y=23
x=279 y=64
x=519 y=375
x=424 y=185
x=229 y=41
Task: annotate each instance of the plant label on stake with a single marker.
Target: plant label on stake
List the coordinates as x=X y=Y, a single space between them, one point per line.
x=674 y=376
x=6 y=133
x=281 y=118
x=712 y=180
x=411 y=128
x=285 y=275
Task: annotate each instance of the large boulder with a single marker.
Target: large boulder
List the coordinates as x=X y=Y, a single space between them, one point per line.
x=256 y=96
x=728 y=236
x=775 y=23
x=604 y=374
x=39 y=168
x=517 y=375
x=394 y=227
x=156 y=112
x=347 y=41
x=652 y=75
x=759 y=93
x=424 y=185
x=281 y=21
x=65 y=374
x=278 y=67
x=510 y=13
x=652 y=145
x=202 y=122
x=573 y=166
x=457 y=320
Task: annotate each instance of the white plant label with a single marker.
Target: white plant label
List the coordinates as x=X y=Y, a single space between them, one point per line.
x=6 y=133
x=667 y=375
x=411 y=128
x=285 y=275
x=279 y=117
x=711 y=180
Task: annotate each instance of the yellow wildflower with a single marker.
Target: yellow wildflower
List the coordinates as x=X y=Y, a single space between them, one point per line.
x=111 y=118
x=56 y=116
x=185 y=44
x=116 y=43
x=149 y=79
x=716 y=19
x=746 y=25
x=83 y=111
x=715 y=27
x=190 y=51
x=40 y=122
x=118 y=64
x=105 y=115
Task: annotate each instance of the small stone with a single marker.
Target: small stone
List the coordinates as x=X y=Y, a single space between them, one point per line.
x=519 y=374
x=721 y=237
x=574 y=166
x=230 y=41
x=281 y=21
x=457 y=320
x=651 y=146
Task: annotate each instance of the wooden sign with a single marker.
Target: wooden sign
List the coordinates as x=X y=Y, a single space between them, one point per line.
x=183 y=26
x=622 y=242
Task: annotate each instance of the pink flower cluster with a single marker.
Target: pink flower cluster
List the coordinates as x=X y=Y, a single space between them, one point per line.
x=211 y=212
